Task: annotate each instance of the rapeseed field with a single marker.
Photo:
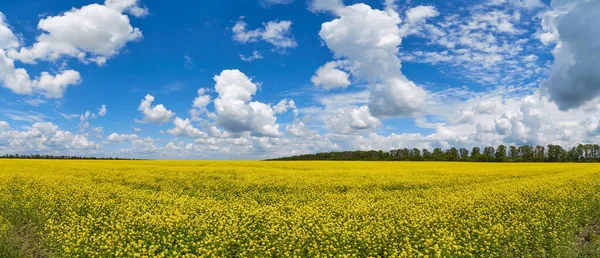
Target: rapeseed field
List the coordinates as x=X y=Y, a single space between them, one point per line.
x=53 y=208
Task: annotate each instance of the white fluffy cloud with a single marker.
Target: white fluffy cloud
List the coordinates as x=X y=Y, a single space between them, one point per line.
x=233 y=108
x=15 y=79
x=199 y=104
x=18 y=80
x=129 y=6
x=574 y=77
x=277 y=33
x=284 y=105
x=115 y=137
x=368 y=40
x=55 y=86
x=92 y=33
x=353 y=120
x=158 y=114
x=186 y=129
x=84 y=119
x=299 y=129
x=329 y=77
x=416 y=17
x=43 y=136
x=7 y=37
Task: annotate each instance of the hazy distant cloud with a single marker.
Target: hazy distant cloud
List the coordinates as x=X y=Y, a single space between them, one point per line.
x=172 y=87
x=27 y=116
x=187 y=62
x=325 y=5
x=267 y=3
x=102 y=110
x=255 y=55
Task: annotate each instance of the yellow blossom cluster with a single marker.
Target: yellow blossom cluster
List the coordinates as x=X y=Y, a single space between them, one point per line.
x=299 y=209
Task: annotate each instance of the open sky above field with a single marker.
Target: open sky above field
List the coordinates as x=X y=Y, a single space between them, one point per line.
x=224 y=79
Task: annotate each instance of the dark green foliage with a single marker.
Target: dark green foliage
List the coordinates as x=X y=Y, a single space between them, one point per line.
x=38 y=156
x=525 y=153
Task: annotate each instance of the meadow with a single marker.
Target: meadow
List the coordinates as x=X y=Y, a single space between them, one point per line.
x=58 y=208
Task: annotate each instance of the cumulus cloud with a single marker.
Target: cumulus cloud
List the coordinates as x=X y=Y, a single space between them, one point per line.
x=353 y=120
x=43 y=136
x=7 y=37
x=416 y=17
x=19 y=82
x=158 y=114
x=276 y=33
x=299 y=129
x=574 y=77
x=283 y=106
x=233 y=108
x=84 y=119
x=55 y=86
x=115 y=137
x=368 y=40
x=92 y=33
x=15 y=79
x=199 y=104
x=132 y=7
x=329 y=77
x=186 y=129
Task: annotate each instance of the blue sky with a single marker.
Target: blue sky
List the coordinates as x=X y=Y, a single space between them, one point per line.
x=267 y=78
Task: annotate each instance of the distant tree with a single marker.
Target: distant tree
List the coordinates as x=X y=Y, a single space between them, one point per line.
x=539 y=153
x=416 y=154
x=514 y=154
x=438 y=154
x=452 y=154
x=526 y=153
x=475 y=154
x=489 y=154
x=464 y=154
x=426 y=155
x=501 y=153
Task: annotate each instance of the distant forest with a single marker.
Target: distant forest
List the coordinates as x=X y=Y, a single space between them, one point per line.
x=38 y=156
x=525 y=153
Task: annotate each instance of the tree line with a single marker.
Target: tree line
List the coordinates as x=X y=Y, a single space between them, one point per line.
x=525 y=153
x=39 y=156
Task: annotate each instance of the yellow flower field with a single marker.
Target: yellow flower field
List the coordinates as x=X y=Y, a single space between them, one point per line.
x=54 y=208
